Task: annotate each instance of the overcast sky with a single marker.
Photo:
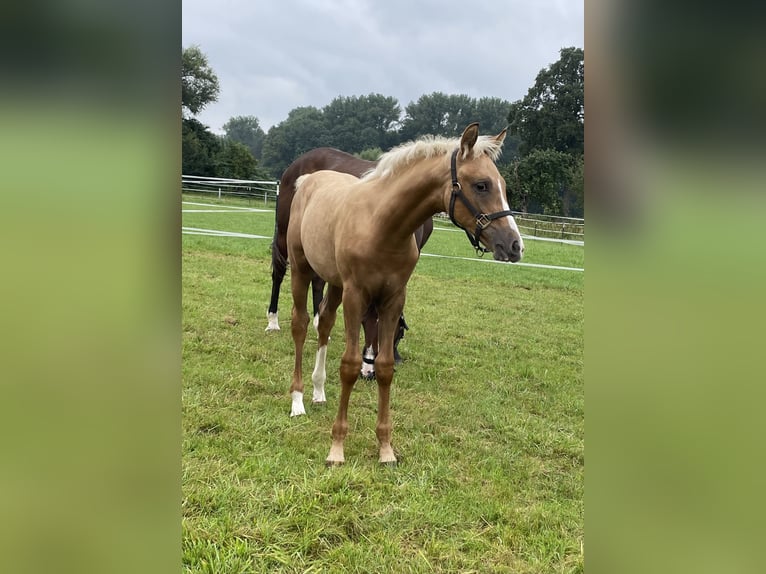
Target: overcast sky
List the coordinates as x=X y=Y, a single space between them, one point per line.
x=272 y=56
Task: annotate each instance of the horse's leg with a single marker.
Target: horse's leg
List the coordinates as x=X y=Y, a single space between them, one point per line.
x=370 y=325
x=300 y=321
x=400 y=329
x=278 y=271
x=349 y=370
x=317 y=288
x=388 y=321
x=327 y=313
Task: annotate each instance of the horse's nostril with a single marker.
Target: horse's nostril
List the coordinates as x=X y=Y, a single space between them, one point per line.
x=515 y=247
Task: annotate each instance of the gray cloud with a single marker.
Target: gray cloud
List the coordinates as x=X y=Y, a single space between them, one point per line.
x=273 y=56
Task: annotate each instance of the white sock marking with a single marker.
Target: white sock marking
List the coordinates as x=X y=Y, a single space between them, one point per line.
x=319 y=375
x=297 y=404
x=367 y=368
x=273 y=322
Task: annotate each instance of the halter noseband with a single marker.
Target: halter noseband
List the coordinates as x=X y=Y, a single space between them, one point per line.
x=483 y=220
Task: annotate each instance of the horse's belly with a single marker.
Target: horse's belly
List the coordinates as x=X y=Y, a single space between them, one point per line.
x=319 y=249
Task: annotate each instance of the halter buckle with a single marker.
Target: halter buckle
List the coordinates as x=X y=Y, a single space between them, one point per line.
x=483 y=220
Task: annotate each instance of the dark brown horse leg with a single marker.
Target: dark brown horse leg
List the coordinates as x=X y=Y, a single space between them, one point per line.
x=300 y=321
x=388 y=321
x=278 y=271
x=327 y=313
x=370 y=325
x=317 y=289
x=400 y=329
x=349 y=371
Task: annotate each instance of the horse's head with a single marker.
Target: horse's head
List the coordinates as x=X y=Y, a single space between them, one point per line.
x=477 y=200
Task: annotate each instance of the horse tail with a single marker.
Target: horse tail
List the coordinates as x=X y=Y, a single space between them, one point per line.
x=275 y=254
x=278 y=261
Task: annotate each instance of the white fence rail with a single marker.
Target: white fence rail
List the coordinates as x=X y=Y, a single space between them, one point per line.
x=551 y=227
x=219 y=187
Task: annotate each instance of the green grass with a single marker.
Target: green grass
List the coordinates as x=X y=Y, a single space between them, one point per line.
x=488 y=412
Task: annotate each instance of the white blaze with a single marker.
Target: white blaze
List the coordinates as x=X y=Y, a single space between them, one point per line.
x=511 y=220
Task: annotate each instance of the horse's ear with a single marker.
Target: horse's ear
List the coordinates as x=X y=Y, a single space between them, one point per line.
x=468 y=139
x=500 y=138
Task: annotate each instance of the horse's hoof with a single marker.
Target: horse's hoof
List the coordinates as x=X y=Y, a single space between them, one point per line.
x=319 y=403
x=273 y=322
x=297 y=407
x=334 y=463
x=367 y=376
x=389 y=464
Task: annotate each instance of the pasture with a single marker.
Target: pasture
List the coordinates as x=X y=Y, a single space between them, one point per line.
x=488 y=412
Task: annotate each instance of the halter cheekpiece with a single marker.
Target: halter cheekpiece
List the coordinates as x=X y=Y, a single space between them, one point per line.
x=483 y=220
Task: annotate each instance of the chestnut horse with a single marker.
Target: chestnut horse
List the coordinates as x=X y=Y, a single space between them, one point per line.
x=357 y=234
x=311 y=161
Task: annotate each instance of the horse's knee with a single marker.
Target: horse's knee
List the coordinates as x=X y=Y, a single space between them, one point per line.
x=384 y=369
x=350 y=367
x=300 y=316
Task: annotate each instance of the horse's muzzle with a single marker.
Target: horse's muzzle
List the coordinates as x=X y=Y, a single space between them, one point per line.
x=502 y=253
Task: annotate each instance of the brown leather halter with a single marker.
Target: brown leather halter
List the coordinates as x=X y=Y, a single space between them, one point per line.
x=483 y=220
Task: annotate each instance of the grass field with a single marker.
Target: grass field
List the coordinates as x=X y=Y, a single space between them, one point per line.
x=488 y=413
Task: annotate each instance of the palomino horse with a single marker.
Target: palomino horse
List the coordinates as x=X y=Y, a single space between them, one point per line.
x=311 y=161
x=357 y=234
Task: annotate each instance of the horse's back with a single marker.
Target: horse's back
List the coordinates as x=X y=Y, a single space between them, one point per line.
x=319 y=197
x=323 y=181
x=319 y=159
x=323 y=158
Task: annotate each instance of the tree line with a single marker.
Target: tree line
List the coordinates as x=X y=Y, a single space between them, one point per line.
x=543 y=155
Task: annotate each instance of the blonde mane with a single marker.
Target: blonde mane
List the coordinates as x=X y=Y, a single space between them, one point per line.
x=426 y=147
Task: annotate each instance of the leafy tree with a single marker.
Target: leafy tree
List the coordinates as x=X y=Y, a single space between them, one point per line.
x=199 y=84
x=370 y=154
x=234 y=160
x=576 y=208
x=199 y=148
x=543 y=179
x=303 y=130
x=513 y=188
x=492 y=115
x=551 y=115
x=438 y=114
x=246 y=130
x=356 y=123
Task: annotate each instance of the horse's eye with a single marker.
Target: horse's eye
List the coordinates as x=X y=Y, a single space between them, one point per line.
x=481 y=186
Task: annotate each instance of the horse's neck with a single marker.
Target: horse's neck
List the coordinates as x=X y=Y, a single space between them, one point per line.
x=411 y=198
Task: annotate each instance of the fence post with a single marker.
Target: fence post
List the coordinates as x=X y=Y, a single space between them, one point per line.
x=219 y=193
